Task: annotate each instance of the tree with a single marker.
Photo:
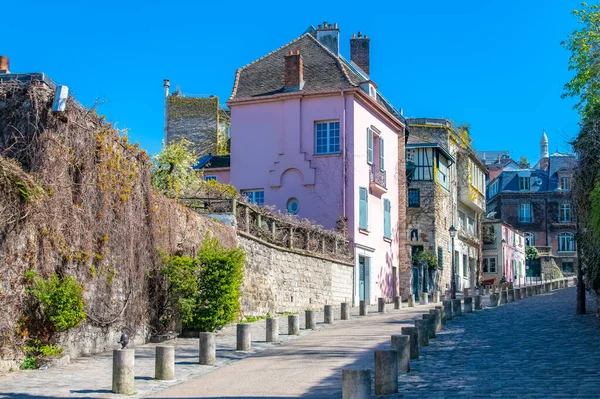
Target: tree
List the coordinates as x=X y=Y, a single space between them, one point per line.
x=172 y=171
x=584 y=46
x=524 y=163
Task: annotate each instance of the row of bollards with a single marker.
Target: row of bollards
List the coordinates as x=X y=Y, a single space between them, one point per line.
x=356 y=383
x=388 y=364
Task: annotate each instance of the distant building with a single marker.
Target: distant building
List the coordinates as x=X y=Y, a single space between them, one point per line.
x=538 y=202
x=447 y=188
x=200 y=120
x=496 y=162
x=503 y=253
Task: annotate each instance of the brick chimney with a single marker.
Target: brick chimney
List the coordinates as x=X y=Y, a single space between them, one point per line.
x=4 y=64
x=294 y=71
x=329 y=36
x=359 y=52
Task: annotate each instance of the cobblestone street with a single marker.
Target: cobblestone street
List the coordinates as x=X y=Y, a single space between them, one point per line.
x=533 y=348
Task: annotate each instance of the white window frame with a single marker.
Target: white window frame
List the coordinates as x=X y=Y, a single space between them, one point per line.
x=529 y=239
x=565 y=210
x=522 y=213
x=488 y=260
x=330 y=147
x=527 y=180
x=253 y=196
x=566 y=242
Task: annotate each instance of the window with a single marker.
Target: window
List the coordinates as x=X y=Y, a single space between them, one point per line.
x=477 y=176
x=493 y=189
x=471 y=225
x=489 y=265
x=387 y=222
x=525 y=213
x=461 y=220
x=207 y=178
x=465 y=266
x=327 y=138
x=256 y=197
x=363 y=209
x=564 y=213
x=440 y=258
x=381 y=155
x=414 y=198
x=524 y=183
x=567 y=267
x=292 y=206
x=566 y=242
x=565 y=183
x=442 y=171
x=369 y=146
x=529 y=240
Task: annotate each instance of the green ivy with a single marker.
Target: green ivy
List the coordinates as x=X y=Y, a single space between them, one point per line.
x=427 y=257
x=531 y=253
x=61 y=301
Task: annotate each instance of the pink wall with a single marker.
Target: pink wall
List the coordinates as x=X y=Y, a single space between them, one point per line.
x=385 y=256
x=273 y=149
x=505 y=252
x=222 y=174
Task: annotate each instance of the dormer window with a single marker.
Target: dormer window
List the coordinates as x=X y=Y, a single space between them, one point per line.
x=565 y=184
x=524 y=183
x=369 y=88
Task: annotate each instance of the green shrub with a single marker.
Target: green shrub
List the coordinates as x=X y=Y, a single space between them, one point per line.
x=29 y=363
x=61 y=301
x=206 y=291
x=221 y=275
x=182 y=274
x=36 y=349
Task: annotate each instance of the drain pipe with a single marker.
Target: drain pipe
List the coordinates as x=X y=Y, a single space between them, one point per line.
x=344 y=174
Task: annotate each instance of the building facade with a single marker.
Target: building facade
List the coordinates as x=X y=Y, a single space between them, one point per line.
x=313 y=136
x=538 y=202
x=503 y=253
x=446 y=189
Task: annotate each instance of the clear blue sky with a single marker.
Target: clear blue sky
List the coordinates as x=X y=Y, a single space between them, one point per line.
x=497 y=65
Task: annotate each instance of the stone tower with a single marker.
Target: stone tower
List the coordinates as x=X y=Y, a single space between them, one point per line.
x=544 y=146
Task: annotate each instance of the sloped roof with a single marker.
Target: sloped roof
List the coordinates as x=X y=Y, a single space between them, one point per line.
x=213 y=162
x=324 y=71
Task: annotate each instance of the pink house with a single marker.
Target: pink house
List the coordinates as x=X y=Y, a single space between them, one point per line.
x=503 y=252
x=312 y=134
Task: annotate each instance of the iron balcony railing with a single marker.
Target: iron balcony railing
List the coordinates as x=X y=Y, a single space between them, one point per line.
x=378 y=176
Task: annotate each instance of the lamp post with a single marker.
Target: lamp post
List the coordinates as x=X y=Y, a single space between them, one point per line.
x=452 y=232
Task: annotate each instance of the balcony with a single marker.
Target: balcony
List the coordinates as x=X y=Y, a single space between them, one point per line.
x=377 y=181
x=471 y=197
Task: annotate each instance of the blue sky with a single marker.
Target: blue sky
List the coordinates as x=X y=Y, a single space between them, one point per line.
x=497 y=65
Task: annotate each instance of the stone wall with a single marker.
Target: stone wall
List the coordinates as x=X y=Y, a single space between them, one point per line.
x=280 y=280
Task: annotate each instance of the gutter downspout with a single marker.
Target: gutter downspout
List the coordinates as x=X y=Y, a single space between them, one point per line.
x=344 y=165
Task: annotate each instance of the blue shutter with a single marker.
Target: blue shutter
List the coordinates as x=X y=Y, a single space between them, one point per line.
x=369 y=146
x=363 y=209
x=381 y=154
x=387 y=224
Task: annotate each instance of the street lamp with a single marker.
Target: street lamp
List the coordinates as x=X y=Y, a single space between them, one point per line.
x=452 y=232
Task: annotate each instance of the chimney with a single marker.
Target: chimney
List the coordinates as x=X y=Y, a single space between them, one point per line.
x=4 y=64
x=294 y=71
x=359 y=52
x=329 y=36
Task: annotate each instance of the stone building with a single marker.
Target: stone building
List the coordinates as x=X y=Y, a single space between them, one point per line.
x=200 y=120
x=446 y=189
x=538 y=202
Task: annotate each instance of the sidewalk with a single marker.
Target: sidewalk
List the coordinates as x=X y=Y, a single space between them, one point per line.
x=91 y=376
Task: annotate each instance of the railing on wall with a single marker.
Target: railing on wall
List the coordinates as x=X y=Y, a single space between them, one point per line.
x=378 y=176
x=274 y=229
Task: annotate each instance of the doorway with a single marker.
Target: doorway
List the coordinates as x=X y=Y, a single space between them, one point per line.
x=363 y=278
